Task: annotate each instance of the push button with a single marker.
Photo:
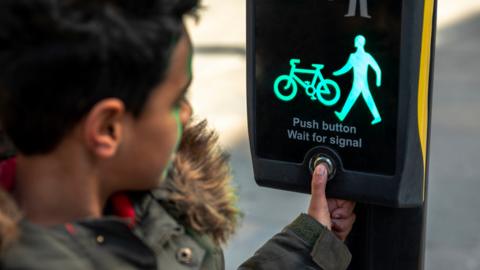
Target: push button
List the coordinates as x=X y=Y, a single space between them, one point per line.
x=325 y=159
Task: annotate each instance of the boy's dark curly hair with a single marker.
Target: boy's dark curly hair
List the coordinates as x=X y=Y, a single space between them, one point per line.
x=58 y=58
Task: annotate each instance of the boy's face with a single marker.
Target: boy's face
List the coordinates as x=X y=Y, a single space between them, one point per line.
x=150 y=140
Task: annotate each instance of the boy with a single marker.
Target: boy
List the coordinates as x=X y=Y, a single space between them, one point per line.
x=92 y=95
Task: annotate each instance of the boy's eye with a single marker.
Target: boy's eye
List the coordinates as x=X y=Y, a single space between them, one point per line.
x=179 y=102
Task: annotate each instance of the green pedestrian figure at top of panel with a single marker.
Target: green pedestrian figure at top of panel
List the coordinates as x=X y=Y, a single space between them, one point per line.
x=360 y=62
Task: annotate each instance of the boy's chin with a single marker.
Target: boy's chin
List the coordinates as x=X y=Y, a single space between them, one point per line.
x=142 y=183
x=147 y=185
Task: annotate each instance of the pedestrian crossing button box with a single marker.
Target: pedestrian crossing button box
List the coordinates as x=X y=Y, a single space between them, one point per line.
x=346 y=79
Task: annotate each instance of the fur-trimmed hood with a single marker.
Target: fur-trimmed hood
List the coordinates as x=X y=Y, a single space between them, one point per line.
x=197 y=191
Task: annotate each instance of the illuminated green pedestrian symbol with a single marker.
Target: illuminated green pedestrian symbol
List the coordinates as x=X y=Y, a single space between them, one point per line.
x=359 y=62
x=324 y=90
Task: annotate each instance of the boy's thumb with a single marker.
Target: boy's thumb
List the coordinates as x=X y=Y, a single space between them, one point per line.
x=318 y=204
x=319 y=180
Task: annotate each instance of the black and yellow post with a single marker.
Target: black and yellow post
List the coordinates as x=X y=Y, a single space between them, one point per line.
x=349 y=81
x=394 y=238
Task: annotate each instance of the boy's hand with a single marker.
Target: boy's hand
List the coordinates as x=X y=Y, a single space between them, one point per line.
x=318 y=203
x=341 y=212
x=335 y=214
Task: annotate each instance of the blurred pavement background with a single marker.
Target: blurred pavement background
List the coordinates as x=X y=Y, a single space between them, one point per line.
x=218 y=94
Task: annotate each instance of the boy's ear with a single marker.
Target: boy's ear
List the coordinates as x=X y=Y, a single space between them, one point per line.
x=103 y=127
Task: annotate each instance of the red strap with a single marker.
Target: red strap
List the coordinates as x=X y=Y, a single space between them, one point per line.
x=70 y=228
x=7 y=173
x=123 y=207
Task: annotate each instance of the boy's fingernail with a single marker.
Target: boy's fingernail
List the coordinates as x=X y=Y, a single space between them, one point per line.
x=320 y=170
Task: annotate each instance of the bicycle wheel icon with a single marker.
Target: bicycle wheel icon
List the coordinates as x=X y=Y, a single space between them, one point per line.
x=285 y=88
x=328 y=92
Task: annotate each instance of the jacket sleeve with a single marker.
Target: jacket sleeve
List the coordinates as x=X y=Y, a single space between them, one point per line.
x=304 y=244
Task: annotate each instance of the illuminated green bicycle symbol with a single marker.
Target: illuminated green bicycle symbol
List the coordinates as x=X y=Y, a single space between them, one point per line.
x=324 y=90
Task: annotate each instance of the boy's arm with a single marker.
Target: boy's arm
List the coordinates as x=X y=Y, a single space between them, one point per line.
x=304 y=244
x=308 y=242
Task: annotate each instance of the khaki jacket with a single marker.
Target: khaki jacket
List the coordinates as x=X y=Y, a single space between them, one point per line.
x=167 y=229
x=157 y=241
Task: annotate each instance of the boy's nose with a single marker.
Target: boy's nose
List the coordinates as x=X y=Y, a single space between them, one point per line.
x=186 y=112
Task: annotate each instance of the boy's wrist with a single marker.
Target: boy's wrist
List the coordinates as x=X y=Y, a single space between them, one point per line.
x=308 y=229
x=328 y=251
